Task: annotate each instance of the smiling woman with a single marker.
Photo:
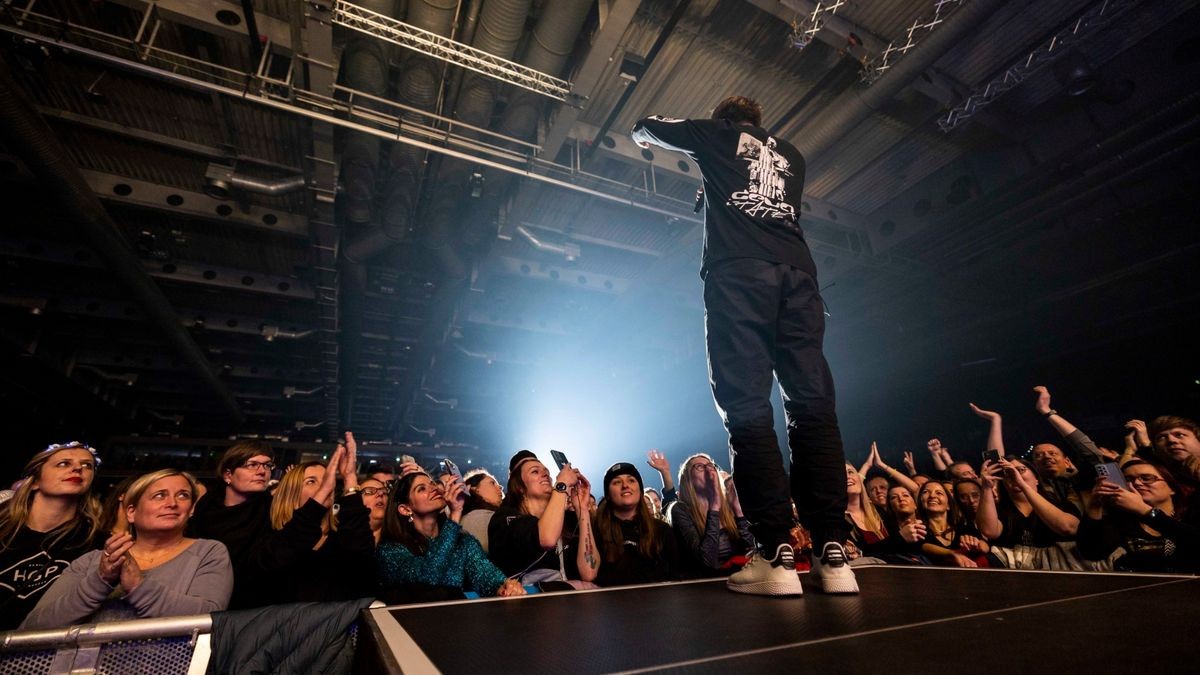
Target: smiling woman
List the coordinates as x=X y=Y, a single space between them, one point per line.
x=150 y=571
x=636 y=547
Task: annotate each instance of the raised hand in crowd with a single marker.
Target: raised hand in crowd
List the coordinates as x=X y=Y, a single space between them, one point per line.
x=939 y=454
x=896 y=477
x=1136 y=438
x=409 y=466
x=1042 y=404
x=658 y=461
x=324 y=493
x=995 y=430
x=456 y=498
x=349 y=465
x=909 y=465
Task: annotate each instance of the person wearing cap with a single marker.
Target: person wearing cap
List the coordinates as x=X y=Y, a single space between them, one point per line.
x=535 y=536
x=635 y=547
x=51 y=519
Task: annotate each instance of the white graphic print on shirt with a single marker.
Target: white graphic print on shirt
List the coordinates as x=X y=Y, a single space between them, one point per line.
x=765 y=196
x=32 y=574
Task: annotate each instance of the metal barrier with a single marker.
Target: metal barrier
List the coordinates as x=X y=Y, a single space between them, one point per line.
x=170 y=646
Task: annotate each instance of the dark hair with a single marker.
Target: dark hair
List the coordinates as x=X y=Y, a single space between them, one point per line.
x=738 y=109
x=399 y=528
x=514 y=492
x=611 y=539
x=953 y=519
x=1180 y=498
x=1165 y=422
x=240 y=453
x=474 y=501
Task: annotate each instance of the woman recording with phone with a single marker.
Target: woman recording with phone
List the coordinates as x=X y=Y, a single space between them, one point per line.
x=1026 y=528
x=536 y=535
x=1144 y=518
x=152 y=570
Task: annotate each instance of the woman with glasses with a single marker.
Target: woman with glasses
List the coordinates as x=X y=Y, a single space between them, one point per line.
x=423 y=546
x=240 y=517
x=51 y=519
x=484 y=496
x=374 y=493
x=303 y=505
x=714 y=534
x=1145 y=519
x=151 y=570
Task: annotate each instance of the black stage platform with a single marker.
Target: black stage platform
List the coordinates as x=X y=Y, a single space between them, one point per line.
x=907 y=619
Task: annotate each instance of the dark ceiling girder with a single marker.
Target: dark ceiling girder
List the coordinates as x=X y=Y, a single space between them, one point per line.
x=25 y=132
x=855 y=105
x=663 y=35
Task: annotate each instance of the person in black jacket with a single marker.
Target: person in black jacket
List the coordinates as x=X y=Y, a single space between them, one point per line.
x=635 y=547
x=240 y=518
x=764 y=317
x=346 y=543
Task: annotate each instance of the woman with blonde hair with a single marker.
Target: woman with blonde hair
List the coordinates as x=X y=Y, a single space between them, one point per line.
x=304 y=505
x=714 y=534
x=51 y=519
x=868 y=532
x=152 y=570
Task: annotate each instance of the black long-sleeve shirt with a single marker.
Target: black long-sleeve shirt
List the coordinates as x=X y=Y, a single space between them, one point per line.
x=752 y=188
x=1175 y=549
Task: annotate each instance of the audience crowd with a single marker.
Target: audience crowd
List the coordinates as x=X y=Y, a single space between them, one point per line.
x=164 y=545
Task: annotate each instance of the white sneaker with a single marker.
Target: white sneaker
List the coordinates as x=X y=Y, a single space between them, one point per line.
x=831 y=571
x=761 y=576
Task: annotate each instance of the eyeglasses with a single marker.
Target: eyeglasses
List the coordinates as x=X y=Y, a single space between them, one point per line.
x=372 y=491
x=1143 y=478
x=702 y=466
x=255 y=465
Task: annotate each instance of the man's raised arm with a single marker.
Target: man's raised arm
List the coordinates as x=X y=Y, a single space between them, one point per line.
x=671 y=134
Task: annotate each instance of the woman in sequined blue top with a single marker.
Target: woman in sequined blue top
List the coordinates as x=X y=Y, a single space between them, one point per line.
x=420 y=545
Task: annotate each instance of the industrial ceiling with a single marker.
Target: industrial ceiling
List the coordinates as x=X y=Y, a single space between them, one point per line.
x=283 y=219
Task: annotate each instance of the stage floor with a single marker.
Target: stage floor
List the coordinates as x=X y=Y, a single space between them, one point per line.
x=906 y=619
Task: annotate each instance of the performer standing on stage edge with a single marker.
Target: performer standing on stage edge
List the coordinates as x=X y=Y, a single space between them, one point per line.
x=763 y=315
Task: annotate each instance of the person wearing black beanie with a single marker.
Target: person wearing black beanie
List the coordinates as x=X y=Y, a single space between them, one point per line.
x=635 y=547
x=535 y=536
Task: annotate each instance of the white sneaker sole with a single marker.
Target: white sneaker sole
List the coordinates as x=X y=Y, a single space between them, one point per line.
x=777 y=588
x=846 y=584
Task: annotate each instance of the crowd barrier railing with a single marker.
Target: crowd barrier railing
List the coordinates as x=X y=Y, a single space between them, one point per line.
x=169 y=646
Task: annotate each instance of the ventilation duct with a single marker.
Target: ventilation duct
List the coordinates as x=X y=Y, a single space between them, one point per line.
x=221 y=181
x=418 y=87
x=364 y=68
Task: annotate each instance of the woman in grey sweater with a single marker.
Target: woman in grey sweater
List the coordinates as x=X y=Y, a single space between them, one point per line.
x=150 y=571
